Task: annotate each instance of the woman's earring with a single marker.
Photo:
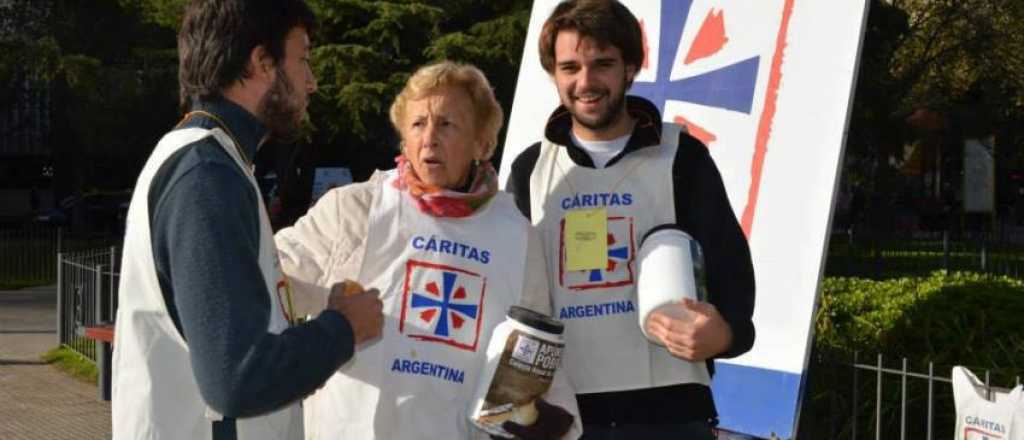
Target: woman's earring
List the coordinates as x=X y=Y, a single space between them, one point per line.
x=476 y=163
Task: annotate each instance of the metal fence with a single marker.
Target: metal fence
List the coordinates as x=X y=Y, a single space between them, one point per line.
x=28 y=255
x=885 y=255
x=86 y=295
x=886 y=399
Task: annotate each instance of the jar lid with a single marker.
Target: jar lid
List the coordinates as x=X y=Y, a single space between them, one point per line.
x=536 y=320
x=663 y=227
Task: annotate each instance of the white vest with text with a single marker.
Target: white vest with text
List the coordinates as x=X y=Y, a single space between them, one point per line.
x=445 y=284
x=155 y=395
x=981 y=418
x=604 y=348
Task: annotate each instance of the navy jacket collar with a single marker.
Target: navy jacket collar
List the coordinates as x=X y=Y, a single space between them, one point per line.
x=244 y=126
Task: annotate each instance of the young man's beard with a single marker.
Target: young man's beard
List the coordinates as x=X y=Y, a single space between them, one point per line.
x=279 y=110
x=615 y=105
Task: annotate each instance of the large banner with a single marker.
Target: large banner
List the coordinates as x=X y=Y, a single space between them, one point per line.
x=766 y=85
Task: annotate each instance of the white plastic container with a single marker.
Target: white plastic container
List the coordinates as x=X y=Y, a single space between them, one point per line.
x=670 y=268
x=524 y=352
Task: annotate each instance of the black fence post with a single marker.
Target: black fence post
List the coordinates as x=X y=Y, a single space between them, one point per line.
x=103 y=349
x=854 y=402
x=876 y=249
x=112 y=293
x=878 y=398
x=60 y=300
x=984 y=262
x=945 y=250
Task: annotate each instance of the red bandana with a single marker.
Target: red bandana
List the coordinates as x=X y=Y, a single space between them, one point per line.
x=442 y=202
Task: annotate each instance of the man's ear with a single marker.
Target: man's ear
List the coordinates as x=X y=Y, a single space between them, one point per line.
x=631 y=72
x=261 y=64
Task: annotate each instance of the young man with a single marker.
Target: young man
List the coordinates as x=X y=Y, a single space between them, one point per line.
x=203 y=346
x=609 y=155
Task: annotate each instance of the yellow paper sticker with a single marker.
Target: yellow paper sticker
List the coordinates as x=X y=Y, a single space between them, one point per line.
x=586 y=239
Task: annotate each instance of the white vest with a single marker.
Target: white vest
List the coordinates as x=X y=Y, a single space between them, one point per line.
x=978 y=418
x=604 y=348
x=155 y=395
x=445 y=284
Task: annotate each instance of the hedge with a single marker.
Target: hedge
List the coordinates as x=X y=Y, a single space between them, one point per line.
x=959 y=318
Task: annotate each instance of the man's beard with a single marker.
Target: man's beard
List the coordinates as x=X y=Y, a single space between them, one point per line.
x=279 y=110
x=615 y=105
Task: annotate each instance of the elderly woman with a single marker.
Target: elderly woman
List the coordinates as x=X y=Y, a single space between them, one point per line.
x=449 y=254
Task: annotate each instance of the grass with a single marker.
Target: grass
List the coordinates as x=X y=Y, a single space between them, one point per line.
x=73 y=363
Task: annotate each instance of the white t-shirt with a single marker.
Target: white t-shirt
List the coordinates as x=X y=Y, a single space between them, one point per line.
x=602 y=151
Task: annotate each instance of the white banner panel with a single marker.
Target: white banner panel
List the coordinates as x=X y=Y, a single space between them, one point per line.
x=767 y=86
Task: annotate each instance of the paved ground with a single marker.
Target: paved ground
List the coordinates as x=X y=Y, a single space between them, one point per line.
x=36 y=400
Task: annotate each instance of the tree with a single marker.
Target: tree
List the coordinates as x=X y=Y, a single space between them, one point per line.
x=961 y=59
x=367 y=49
x=115 y=91
x=110 y=79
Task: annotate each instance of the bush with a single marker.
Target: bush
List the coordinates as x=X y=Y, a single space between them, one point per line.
x=959 y=318
x=951 y=319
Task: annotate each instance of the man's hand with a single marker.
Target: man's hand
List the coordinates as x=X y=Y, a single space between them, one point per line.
x=362 y=310
x=695 y=331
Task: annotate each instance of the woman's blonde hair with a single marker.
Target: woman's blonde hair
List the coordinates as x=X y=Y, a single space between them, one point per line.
x=427 y=79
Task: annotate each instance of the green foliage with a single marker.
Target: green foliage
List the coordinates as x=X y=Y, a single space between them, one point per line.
x=944 y=318
x=115 y=92
x=367 y=49
x=110 y=78
x=960 y=318
x=164 y=13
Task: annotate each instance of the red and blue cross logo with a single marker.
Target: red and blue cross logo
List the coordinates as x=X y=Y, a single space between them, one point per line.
x=442 y=304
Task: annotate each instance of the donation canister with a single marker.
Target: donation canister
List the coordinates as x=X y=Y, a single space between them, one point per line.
x=670 y=268
x=524 y=352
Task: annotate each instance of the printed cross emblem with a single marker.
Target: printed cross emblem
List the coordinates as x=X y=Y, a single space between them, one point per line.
x=616 y=255
x=435 y=301
x=442 y=304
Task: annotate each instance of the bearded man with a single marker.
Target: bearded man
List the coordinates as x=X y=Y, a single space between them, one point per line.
x=205 y=345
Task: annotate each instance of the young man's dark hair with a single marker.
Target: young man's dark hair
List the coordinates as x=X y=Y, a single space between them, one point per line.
x=607 y=22
x=214 y=46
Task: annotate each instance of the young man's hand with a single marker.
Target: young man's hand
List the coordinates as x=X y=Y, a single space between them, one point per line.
x=695 y=331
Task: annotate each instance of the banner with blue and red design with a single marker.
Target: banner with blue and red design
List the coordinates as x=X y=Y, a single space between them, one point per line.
x=766 y=85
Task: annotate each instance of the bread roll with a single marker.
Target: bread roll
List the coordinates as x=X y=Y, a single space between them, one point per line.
x=525 y=414
x=350 y=288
